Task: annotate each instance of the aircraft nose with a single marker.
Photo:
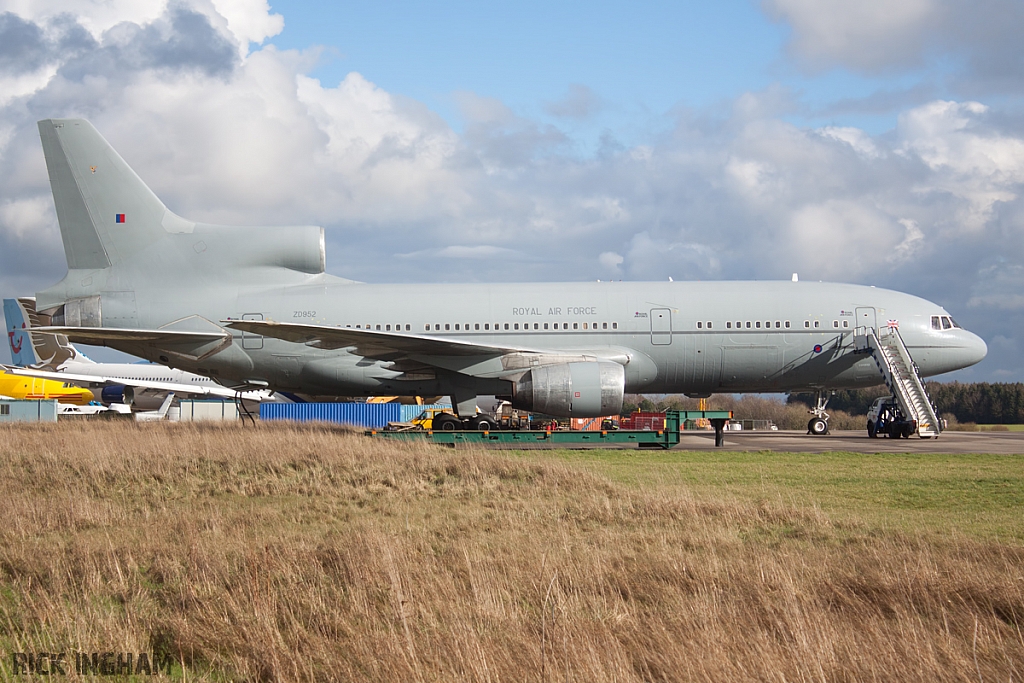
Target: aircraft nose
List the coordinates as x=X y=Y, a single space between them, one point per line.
x=974 y=349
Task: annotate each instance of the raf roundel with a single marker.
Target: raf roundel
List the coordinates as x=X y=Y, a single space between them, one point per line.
x=817 y=348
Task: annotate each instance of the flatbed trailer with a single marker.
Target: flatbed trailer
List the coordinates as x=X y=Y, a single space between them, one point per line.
x=664 y=438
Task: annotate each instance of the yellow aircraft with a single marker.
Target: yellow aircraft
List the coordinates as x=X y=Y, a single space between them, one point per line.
x=13 y=386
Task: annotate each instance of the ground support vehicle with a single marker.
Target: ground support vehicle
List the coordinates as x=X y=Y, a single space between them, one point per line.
x=647 y=438
x=886 y=417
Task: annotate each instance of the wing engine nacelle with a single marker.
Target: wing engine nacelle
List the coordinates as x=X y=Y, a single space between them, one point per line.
x=588 y=389
x=117 y=393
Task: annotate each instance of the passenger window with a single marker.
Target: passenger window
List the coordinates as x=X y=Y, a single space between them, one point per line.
x=389 y=328
x=835 y=323
x=593 y=326
x=565 y=326
x=487 y=326
x=545 y=326
x=846 y=323
x=936 y=325
x=615 y=326
x=748 y=324
x=476 y=326
x=456 y=326
x=757 y=324
x=437 y=326
x=426 y=328
x=807 y=323
x=359 y=327
x=584 y=326
x=378 y=327
x=709 y=324
x=515 y=326
x=536 y=326
x=728 y=326
x=817 y=324
x=699 y=324
x=408 y=327
x=575 y=326
x=506 y=326
x=787 y=324
x=778 y=324
x=946 y=325
x=604 y=326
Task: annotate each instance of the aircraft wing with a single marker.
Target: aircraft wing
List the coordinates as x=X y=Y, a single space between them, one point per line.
x=188 y=343
x=100 y=336
x=416 y=356
x=371 y=343
x=99 y=380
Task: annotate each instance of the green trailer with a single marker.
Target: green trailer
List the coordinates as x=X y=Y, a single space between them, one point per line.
x=665 y=438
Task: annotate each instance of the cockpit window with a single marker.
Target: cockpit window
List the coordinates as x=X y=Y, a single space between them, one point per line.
x=955 y=324
x=946 y=325
x=936 y=325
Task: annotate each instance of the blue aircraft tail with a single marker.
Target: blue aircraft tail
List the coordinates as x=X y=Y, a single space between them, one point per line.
x=23 y=353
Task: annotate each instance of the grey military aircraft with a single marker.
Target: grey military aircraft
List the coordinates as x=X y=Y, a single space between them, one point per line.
x=253 y=308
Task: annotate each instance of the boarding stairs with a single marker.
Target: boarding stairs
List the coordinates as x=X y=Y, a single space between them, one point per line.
x=900 y=374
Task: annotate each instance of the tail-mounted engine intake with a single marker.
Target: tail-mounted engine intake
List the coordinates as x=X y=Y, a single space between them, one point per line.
x=590 y=389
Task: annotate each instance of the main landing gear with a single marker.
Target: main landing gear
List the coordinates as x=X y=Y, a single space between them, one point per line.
x=818 y=425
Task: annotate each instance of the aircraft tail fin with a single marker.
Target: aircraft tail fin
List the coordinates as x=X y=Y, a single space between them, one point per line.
x=106 y=213
x=35 y=349
x=22 y=350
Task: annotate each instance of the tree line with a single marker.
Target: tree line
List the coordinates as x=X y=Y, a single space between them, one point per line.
x=980 y=402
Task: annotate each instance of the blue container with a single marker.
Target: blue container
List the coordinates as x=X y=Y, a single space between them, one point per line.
x=368 y=415
x=28 y=411
x=412 y=412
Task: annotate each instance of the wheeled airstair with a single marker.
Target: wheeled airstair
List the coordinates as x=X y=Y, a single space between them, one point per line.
x=897 y=367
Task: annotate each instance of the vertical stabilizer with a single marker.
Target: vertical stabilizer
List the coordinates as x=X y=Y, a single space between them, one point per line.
x=22 y=351
x=35 y=349
x=106 y=213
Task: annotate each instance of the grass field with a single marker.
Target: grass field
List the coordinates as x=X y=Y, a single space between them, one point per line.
x=303 y=554
x=976 y=495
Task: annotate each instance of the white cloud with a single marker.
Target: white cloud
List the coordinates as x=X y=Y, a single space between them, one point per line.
x=857 y=139
x=867 y=34
x=611 y=261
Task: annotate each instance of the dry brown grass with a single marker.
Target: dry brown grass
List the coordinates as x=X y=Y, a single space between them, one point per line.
x=297 y=554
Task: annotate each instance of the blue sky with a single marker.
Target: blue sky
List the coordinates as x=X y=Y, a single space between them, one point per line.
x=733 y=140
x=642 y=61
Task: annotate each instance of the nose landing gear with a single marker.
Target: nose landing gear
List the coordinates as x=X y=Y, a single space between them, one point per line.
x=818 y=425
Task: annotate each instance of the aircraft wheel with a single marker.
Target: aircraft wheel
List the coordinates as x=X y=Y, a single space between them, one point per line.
x=446 y=423
x=872 y=429
x=907 y=431
x=817 y=426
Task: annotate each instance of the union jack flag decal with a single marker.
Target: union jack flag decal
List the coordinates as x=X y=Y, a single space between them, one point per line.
x=893 y=324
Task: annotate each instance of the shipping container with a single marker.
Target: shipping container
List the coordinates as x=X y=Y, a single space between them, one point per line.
x=195 y=411
x=410 y=413
x=12 y=410
x=368 y=415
